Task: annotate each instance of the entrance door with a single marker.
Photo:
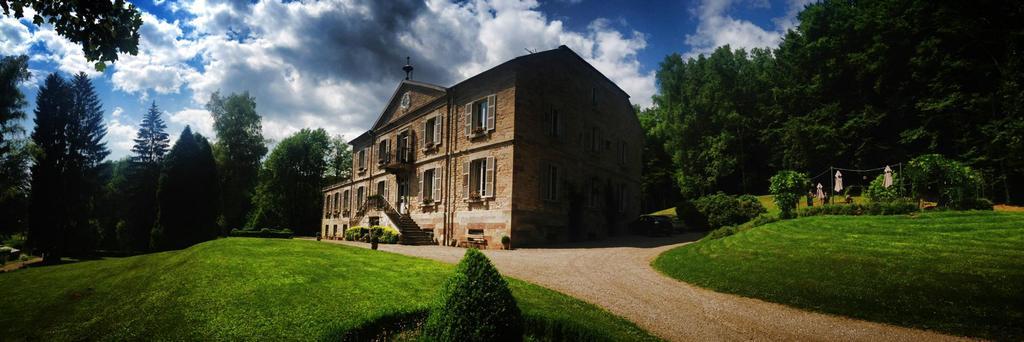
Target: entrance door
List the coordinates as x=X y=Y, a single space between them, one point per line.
x=403 y=195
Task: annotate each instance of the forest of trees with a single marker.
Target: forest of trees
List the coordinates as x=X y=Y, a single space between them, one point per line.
x=858 y=84
x=60 y=191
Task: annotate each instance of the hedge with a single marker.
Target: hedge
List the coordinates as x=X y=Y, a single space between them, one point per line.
x=385 y=234
x=873 y=208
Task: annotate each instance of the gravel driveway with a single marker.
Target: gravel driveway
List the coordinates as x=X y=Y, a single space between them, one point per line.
x=616 y=275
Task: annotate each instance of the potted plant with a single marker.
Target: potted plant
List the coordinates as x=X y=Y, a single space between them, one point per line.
x=474 y=195
x=507 y=242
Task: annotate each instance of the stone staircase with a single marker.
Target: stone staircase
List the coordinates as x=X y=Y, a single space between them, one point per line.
x=410 y=232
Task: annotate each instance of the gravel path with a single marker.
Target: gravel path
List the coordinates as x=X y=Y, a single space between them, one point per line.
x=617 y=276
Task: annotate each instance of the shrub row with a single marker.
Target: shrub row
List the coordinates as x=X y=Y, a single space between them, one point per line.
x=758 y=221
x=873 y=208
x=719 y=210
x=384 y=234
x=263 y=233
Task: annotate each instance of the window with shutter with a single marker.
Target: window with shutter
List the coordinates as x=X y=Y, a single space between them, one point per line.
x=491 y=111
x=345 y=203
x=550 y=183
x=469 y=119
x=436 y=185
x=489 y=186
x=437 y=130
x=465 y=180
x=327 y=203
x=427 y=186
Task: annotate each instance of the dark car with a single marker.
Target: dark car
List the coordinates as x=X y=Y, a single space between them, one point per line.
x=652 y=225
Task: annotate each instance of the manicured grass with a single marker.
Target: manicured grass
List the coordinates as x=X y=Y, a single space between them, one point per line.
x=670 y=212
x=246 y=289
x=956 y=272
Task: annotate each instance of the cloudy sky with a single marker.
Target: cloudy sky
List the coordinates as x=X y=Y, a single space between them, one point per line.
x=332 y=64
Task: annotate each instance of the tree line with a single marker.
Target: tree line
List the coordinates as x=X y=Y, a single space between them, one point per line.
x=59 y=188
x=858 y=84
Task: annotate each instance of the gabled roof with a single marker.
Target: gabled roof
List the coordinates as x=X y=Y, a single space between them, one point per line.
x=384 y=117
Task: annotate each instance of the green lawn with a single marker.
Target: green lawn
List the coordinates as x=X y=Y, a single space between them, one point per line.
x=956 y=272
x=246 y=289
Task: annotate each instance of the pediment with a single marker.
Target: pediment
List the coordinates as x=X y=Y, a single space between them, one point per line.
x=407 y=98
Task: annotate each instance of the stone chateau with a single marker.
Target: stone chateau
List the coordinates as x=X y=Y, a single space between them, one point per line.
x=542 y=148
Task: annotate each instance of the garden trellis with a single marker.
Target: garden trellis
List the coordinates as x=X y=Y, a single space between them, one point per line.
x=843 y=181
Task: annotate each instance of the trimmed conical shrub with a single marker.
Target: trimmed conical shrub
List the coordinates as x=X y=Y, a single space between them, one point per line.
x=475 y=305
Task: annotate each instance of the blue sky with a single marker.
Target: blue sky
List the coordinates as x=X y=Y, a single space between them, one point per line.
x=332 y=64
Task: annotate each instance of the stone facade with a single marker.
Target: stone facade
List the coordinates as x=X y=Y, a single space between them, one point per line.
x=542 y=148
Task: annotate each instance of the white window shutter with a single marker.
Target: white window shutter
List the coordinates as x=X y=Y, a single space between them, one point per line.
x=465 y=179
x=469 y=118
x=489 y=182
x=387 y=192
x=423 y=191
x=491 y=112
x=424 y=132
x=436 y=185
x=437 y=130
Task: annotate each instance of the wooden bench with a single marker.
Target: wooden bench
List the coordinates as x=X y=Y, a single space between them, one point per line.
x=477 y=242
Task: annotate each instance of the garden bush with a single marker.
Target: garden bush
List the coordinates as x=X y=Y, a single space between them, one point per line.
x=692 y=218
x=722 y=232
x=475 y=304
x=787 y=188
x=16 y=241
x=385 y=234
x=873 y=208
x=725 y=210
x=944 y=181
x=877 y=192
x=263 y=233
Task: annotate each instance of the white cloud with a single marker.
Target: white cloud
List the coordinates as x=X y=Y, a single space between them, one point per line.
x=199 y=119
x=717 y=28
x=120 y=135
x=117 y=112
x=59 y=50
x=160 y=65
x=15 y=39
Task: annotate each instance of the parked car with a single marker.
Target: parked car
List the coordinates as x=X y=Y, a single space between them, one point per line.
x=652 y=225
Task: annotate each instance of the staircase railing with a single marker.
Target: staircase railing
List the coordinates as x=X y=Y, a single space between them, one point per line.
x=382 y=204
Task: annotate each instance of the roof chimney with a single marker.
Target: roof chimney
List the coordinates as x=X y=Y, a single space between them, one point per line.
x=407 y=68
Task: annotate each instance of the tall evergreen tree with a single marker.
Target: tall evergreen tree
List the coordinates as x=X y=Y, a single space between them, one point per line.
x=240 y=147
x=151 y=145
x=187 y=195
x=14 y=154
x=288 y=195
x=69 y=139
x=49 y=206
x=86 y=150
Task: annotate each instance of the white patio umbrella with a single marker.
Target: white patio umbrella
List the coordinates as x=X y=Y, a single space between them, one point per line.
x=821 y=194
x=887 y=180
x=839 y=182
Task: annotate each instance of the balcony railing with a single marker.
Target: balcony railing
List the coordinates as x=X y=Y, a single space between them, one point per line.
x=401 y=161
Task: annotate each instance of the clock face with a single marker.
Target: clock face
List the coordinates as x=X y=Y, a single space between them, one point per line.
x=405 y=101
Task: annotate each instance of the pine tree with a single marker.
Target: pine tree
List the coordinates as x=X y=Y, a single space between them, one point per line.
x=48 y=208
x=151 y=144
x=187 y=195
x=14 y=154
x=86 y=150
